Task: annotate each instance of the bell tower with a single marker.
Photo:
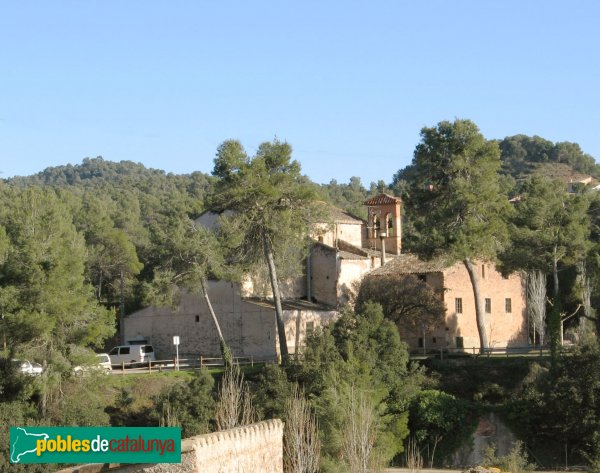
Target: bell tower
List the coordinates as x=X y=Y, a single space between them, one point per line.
x=384 y=224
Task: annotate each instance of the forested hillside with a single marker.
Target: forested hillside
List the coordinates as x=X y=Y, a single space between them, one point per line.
x=80 y=244
x=523 y=155
x=124 y=211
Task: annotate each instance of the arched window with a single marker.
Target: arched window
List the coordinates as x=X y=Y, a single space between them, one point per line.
x=389 y=224
x=376 y=226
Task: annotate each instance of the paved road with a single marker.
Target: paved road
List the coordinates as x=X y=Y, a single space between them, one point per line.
x=424 y=470
x=433 y=470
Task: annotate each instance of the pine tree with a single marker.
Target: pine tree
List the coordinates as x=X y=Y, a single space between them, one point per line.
x=272 y=208
x=455 y=202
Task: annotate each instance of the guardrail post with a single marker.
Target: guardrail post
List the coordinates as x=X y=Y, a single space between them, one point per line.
x=149 y=365
x=252 y=360
x=200 y=361
x=123 y=367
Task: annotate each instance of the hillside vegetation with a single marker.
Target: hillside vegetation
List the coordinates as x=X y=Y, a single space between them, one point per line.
x=80 y=244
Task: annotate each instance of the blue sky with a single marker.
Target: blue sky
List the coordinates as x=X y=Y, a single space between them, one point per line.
x=349 y=84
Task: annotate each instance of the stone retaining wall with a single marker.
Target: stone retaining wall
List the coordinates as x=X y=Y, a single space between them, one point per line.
x=255 y=448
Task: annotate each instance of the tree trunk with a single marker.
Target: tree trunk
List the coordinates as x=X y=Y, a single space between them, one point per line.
x=122 y=310
x=479 y=310
x=225 y=351
x=555 y=273
x=283 y=349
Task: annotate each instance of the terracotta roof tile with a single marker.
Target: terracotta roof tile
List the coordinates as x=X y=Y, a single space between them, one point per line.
x=411 y=264
x=383 y=199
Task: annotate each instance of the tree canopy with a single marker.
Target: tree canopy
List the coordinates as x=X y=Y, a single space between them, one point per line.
x=455 y=202
x=273 y=210
x=409 y=302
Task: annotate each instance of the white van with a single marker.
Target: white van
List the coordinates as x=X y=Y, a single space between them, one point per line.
x=103 y=365
x=131 y=354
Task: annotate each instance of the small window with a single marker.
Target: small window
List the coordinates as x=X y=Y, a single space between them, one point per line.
x=320 y=239
x=508 y=305
x=483 y=271
x=488 y=305
x=376 y=227
x=458 y=305
x=460 y=343
x=124 y=351
x=422 y=277
x=147 y=349
x=434 y=339
x=420 y=342
x=390 y=224
x=310 y=327
x=114 y=351
x=197 y=318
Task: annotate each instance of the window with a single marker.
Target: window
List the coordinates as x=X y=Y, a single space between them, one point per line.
x=458 y=305
x=390 y=225
x=434 y=339
x=460 y=343
x=310 y=327
x=508 y=305
x=488 y=305
x=420 y=342
x=197 y=318
x=124 y=351
x=483 y=271
x=147 y=349
x=376 y=227
x=422 y=277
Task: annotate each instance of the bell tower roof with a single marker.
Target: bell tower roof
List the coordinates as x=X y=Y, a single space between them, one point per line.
x=382 y=199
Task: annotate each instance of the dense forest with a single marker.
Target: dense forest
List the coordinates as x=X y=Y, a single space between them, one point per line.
x=81 y=244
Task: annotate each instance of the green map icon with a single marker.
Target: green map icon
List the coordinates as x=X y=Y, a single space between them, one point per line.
x=23 y=444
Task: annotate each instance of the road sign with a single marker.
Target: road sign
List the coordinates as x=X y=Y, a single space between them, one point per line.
x=176 y=343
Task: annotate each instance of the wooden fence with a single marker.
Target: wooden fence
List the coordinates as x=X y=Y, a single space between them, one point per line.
x=190 y=363
x=495 y=352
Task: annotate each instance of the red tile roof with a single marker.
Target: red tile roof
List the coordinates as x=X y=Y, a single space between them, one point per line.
x=383 y=199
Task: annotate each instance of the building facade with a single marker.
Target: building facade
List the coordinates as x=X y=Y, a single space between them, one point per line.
x=343 y=252
x=503 y=298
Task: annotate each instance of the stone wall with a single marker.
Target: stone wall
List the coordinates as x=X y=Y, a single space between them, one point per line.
x=504 y=327
x=255 y=448
x=506 y=321
x=249 y=329
x=324 y=274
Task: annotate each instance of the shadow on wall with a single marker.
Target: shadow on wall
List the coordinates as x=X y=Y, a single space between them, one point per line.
x=348 y=294
x=453 y=333
x=522 y=338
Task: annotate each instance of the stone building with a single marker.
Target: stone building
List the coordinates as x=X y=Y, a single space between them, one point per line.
x=246 y=311
x=247 y=323
x=503 y=298
x=342 y=253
